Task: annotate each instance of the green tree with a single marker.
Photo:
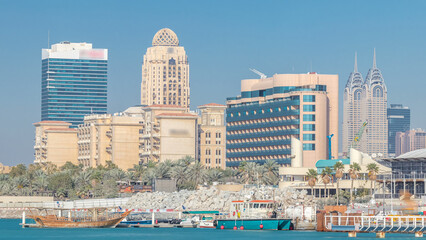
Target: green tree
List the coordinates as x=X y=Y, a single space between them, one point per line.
x=60 y=182
x=18 y=170
x=354 y=174
x=312 y=176
x=338 y=168
x=271 y=168
x=373 y=170
x=197 y=174
x=326 y=178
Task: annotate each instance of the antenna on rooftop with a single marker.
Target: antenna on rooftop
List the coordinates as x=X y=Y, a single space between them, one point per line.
x=262 y=75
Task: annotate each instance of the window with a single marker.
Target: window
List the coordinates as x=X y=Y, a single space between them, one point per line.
x=218 y=152
x=308 y=127
x=309 y=117
x=308 y=146
x=308 y=137
x=308 y=98
x=309 y=108
x=208 y=151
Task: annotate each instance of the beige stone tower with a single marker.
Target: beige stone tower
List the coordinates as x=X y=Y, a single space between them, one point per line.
x=165 y=72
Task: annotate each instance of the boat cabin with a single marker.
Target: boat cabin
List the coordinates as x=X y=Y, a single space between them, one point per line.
x=253 y=209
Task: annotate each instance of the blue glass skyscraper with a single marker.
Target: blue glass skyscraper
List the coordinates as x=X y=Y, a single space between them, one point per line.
x=398 y=121
x=74 y=82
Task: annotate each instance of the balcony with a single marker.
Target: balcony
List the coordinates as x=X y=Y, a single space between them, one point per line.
x=109 y=133
x=156 y=126
x=109 y=149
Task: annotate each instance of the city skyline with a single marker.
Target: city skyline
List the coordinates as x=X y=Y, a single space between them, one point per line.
x=220 y=54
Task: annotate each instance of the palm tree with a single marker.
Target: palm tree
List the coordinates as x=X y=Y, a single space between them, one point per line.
x=138 y=170
x=179 y=174
x=373 y=169
x=325 y=176
x=214 y=175
x=197 y=174
x=312 y=175
x=338 y=168
x=271 y=168
x=353 y=173
x=249 y=171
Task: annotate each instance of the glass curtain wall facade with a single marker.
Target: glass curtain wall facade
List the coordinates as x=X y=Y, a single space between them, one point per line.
x=398 y=121
x=74 y=84
x=270 y=112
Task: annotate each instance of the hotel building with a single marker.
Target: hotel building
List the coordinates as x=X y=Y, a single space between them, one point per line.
x=212 y=135
x=271 y=111
x=74 y=82
x=165 y=72
x=106 y=137
x=55 y=142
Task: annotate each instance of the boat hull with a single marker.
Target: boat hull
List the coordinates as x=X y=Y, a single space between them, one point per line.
x=255 y=224
x=52 y=221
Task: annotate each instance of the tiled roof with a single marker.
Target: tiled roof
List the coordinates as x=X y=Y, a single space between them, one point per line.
x=178 y=114
x=165 y=106
x=62 y=129
x=213 y=104
x=62 y=122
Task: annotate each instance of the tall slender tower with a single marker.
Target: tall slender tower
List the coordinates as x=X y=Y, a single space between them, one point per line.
x=375 y=112
x=165 y=71
x=352 y=106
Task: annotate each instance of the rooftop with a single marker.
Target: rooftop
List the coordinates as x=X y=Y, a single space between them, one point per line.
x=62 y=129
x=52 y=122
x=212 y=105
x=164 y=106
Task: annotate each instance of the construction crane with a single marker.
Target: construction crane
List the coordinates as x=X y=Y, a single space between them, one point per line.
x=329 y=146
x=358 y=137
x=261 y=75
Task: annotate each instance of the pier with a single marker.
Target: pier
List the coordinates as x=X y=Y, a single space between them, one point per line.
x=414 y=224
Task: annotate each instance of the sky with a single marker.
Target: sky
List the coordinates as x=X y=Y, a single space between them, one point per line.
x=223 y=39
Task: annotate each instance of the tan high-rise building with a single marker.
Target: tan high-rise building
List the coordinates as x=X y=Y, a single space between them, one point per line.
x=366 y=102
x=107 y=137
x=169 y=132
x=271 y=112
x=212 y=135
x=165 y=72
x=55 y=142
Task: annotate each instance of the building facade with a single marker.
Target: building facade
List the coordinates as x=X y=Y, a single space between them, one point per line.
x=212 y=135
x=169 y=132
x=271 y=111
x=55 y=142
x=352 y=107
x=74 y=82
x=106 y=137
x=398 y=121
x=366 y=102
x=165 y=72
x=409 y=141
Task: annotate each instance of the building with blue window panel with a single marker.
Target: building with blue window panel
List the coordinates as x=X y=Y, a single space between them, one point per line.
x=398 y=121
x=74 y=82
x=271 y=111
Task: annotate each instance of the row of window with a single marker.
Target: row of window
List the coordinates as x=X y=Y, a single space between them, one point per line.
x=309 y=117
x=308 y=127
x=308 y=146
x=309 y=108
x=308 y=137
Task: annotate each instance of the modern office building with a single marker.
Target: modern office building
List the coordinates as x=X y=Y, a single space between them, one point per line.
x=212 y=135
x=165 y=72
x=55 y=142
x=352 y=107
x=366 y=102
x=271 y=111
x=110 y=137
x=398 y=121
x=409 y=141
x=169 y=132
x=74 y=82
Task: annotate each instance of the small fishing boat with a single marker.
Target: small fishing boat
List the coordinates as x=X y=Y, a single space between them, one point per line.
x=204 y=219
x=254 y=215
x=86 y=218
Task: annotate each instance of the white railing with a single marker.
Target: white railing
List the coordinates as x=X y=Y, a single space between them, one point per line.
x=88 y=203
x=376 y=223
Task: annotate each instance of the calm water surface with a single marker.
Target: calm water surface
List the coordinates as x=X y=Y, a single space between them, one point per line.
x=10 y=229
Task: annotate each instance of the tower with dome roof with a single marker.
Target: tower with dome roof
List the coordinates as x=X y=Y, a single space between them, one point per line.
x=165 y=71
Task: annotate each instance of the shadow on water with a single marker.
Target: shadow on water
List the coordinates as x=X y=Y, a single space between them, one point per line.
x=10 y=229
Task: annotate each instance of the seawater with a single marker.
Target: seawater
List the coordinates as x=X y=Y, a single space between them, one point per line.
x=10 y=229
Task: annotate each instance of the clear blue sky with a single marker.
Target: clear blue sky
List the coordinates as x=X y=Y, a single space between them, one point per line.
x=222 y=39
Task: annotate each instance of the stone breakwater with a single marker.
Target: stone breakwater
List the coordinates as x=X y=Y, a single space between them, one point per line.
x=214 y=199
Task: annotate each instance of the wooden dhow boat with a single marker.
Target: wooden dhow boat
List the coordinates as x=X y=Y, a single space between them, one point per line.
x=84 y=218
